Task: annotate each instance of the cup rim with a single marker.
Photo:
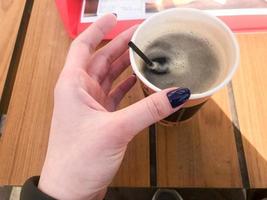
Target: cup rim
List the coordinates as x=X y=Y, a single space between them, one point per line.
x=192 y=10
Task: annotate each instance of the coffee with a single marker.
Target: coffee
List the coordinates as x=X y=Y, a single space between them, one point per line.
x=183 y=60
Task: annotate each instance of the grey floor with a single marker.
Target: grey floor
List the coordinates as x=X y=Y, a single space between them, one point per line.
x=9 y=193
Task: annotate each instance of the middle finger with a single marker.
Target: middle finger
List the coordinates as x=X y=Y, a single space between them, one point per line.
x=104 y=57
x=116 y=69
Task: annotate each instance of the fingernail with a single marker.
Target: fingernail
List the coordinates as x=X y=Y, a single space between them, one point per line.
x=134 y=74
x=115 y=14
x=178 y=97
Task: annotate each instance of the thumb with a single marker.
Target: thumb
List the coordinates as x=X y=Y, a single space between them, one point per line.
x=153 y=108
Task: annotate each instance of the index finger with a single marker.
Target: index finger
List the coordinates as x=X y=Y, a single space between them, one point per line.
x=84 y=45
x=93 y=35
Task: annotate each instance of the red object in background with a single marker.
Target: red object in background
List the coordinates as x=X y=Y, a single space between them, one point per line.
x=70 y=11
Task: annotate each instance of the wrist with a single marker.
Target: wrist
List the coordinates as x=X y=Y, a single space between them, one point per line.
x=58 y=186
x=54 y=184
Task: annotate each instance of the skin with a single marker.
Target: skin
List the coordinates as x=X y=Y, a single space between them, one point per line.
x=88 y=137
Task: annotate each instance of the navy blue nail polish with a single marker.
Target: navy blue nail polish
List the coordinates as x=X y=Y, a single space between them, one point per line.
x=178 y=97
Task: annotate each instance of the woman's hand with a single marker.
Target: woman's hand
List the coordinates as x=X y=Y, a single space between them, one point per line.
x=88 y=138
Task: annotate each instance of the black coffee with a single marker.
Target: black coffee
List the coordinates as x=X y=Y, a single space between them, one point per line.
x=182 y=60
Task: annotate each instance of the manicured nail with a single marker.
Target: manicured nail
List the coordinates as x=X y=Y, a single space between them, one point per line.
x=115 y=14
x=178 y=97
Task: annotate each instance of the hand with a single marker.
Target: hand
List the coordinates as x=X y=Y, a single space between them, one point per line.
x=88 y=138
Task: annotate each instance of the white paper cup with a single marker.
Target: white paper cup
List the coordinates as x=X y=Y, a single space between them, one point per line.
x=187 y=20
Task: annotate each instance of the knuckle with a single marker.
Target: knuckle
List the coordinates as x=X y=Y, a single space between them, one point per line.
x=74 y=44
x=121 y=128
x=156 y=108
x=104 y=59
x=111 y=75
x=125 y=40
x=100 y=30
x=79 y=44
x=108 y=59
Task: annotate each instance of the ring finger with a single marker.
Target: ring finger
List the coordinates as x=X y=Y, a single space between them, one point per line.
x=116 y=69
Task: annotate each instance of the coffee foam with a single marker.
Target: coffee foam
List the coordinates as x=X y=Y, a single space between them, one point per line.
x=191 y=62
x=209 y=34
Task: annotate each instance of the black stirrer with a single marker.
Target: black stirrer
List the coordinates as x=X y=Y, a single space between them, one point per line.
x=140 y=53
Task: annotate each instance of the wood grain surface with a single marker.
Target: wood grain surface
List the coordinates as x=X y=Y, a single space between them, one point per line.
x=200 y=152
x=10 y=14
x=24 y=142
x=250 y=90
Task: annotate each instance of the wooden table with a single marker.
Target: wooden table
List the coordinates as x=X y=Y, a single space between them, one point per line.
x=224 y=145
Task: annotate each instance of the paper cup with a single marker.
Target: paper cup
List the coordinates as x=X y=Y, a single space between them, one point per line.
x=186 y=20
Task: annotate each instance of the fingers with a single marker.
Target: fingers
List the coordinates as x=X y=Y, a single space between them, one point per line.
x=152 y=109
x=84 y=45
x=117 y=94
x=104 y=57
x=116 y=69
x=93 y=35
x=118 y=46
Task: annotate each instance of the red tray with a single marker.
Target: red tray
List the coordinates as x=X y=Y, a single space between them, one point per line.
x=70 y=11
